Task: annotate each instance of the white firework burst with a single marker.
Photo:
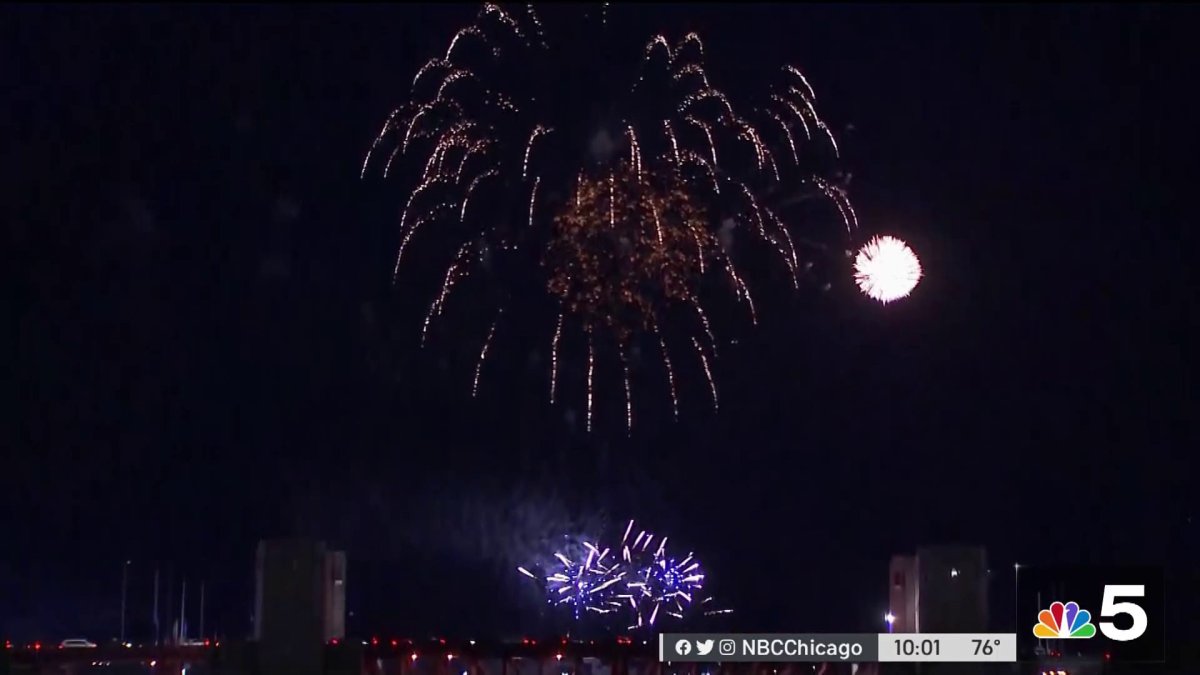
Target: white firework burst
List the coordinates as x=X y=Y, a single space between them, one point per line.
x=886 y=269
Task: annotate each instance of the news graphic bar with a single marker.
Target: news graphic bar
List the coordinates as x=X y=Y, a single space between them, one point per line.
x=835 y=647
x=948 y=647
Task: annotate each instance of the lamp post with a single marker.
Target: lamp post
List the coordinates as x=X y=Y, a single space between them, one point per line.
x=157 y=632
x=124 y=590
x=1016 y=597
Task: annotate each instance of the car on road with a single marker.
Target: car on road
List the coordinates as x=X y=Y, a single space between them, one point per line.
x=76 y=643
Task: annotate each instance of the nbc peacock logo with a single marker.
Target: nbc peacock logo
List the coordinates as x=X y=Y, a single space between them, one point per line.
x=1063 y=622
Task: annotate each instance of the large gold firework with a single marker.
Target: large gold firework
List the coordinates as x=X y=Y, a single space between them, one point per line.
x=623 y=212
x=629 y=246
x=626 y=246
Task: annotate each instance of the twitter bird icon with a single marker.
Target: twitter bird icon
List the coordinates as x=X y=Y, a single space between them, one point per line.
x=704 y=647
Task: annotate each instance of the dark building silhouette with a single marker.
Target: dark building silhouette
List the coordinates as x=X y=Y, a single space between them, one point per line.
x=299 y=604
x=941 y=589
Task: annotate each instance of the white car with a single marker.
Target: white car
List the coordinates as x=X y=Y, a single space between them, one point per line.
x=76 y=643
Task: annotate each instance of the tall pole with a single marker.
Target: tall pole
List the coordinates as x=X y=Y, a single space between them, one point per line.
x=1017 y=598
x=156 y=632
x=183 y=613
x=124 y=590
x=201 y=635
x=170 y=608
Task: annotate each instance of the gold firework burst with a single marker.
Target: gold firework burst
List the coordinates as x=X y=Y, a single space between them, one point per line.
x=626 y=247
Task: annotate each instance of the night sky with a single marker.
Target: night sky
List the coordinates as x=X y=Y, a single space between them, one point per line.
x=201 y=309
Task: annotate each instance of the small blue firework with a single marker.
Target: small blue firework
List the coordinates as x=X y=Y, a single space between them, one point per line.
x=585 y=585
x=642 y=583
x=659 y=583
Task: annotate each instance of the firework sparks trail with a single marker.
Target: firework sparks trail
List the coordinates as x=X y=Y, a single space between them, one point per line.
x=670 y=376
x=537 y=131
x=628 y=397
x=712 y=385
x=612 y=202
x=803 y=80
x=712 y=340
x=704 y=128
x=787 y=132
x=838 y=197
x=635 y=150
x=462 y=214
x=554 y=357
x=387 y=126
x=533 y=198
x=695 y=70
x=591 y=369
x=537 y=24
x=490 y=105
x=404 y=242
x=743 y=291
x=452 y=277
x=483 y=357
x=774 y=167
x=429 y=66
x=795 y=260
x=674 y=142
x=795 y=111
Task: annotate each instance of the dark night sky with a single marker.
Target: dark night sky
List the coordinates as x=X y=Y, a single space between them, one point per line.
x=195 y=364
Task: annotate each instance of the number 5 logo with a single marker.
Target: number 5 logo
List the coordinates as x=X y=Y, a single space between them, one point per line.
x=1111 y=608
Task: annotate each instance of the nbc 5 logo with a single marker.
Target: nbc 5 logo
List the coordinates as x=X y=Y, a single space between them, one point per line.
x=1065 y=621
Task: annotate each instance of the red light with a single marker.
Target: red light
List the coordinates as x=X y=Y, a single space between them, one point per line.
x=1107 y=656
x=394 y=643
x=413 y=657
x=558 y=657
x=207 y=643
x=333 y=642
x=374 y=642
x=442 y=640
x=564 y=641
x=37 y=646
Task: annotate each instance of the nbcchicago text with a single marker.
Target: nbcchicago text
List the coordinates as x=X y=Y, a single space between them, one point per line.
x=796 y=647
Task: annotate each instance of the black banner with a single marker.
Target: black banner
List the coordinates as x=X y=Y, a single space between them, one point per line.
x=1114 y=614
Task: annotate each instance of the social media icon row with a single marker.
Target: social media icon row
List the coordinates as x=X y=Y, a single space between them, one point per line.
x=703 y=647
x=683 y=647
